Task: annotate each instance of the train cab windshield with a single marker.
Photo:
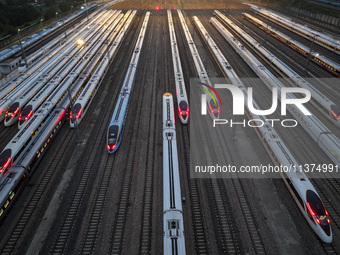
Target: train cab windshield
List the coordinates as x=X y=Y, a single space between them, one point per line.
x=5 y=160
x=183 y=109
x=318 y=210
x=25 y=114
x=335 y=110
x=76 y=112
x=22 y=64
x=112 y=137
x=12 y=111
x=214 y=107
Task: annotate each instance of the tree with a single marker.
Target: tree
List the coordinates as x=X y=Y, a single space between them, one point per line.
x=65 y=6
x=49 y=2
x=50 y=13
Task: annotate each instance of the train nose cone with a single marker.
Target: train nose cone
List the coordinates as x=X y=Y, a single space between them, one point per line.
x=21 y=122
x=10 y=120
x=111 y=148
x=5 y=160
x=325 y=226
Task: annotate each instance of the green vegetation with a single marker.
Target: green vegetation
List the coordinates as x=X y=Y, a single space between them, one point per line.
x=16 y=14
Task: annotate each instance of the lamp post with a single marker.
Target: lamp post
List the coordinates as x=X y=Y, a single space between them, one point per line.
x=87 y=13
x=56 y=14
x=265 y=36
x=41 y=20
x=206 y=52
x=22 y=48
x=310 y=51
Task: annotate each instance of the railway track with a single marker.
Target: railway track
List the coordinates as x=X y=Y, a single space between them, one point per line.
x=39 y=194
x=72 y=219
x=260 y=251
x=118 y=226
x=292 y=59
x=197 y=218
x=219 y=215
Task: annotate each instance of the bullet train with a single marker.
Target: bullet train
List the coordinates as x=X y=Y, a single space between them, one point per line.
x=71 y=32
x=82 y=104
x=20 y=140
x=323 y=137
x=324 y=104
x=36 y=69
x=16 y=177
x=321 y=38
x=116 y=125
x=301 y=189
x=213 y=104
x=12 y=104
x=181 y=93
x=174 y=241
x=65 y=65
x=30 y=60
x=326 y=63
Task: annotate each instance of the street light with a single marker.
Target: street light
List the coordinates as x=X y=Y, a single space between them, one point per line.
x=206 y=52
x=41 y=20
x=310 y=51
x=80 y=42
x=22 y=48
x=87 y=13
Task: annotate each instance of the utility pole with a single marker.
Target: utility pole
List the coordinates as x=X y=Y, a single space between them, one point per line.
x=206 y=52
x=310 y=51
x=22 y=48
x=56 y=14
x=87 y=13
x=265 y=36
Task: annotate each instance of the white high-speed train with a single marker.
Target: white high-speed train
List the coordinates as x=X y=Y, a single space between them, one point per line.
x=298 y=184
x=323 y=61
x=67 y=65
x=326 y=40
x=83 y=102
x=213 y=104
x=117 y=122
x=323 y=137
x=181 y=93
x=76 y=78
x=11 y=105
x=323 y=104
x=174 y=241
